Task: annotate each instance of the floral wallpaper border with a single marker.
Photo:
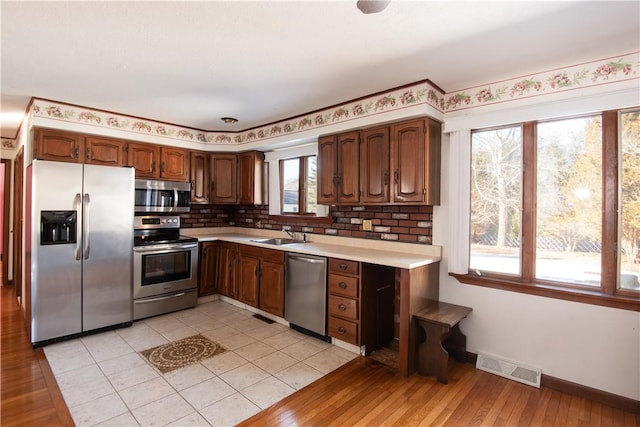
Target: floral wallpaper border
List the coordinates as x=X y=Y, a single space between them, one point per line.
x=590 y=74
x=9 y=144
x=596 y=73
x=419 y=94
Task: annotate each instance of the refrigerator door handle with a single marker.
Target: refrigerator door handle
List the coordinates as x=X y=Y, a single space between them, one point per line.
x=86 y=207
x=77 y=200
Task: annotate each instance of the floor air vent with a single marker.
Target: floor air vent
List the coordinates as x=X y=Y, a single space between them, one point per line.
x=508 y=369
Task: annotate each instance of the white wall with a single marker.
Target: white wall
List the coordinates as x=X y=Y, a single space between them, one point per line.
x=595 y=346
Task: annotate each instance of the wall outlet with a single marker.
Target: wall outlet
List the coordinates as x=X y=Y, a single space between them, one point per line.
x=366 y=224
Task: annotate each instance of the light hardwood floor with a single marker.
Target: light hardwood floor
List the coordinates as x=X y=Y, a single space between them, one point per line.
x=363 y=392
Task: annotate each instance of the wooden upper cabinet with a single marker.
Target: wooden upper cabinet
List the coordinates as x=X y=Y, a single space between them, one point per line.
x=415 y=161
x=104 y=151
x=395 y=164
x=327 y=178
x=174 y=164
x=349 y=167
x=224 y=176
x=199 y=175
x=375 y=165
x=158 y=162
x=338 y=168
x=58 y=145
x=250 y=178
x=145 y=159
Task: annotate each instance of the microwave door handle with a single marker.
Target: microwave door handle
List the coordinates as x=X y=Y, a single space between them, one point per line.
x=86 y=205
x=77 y=201
x=175 y=198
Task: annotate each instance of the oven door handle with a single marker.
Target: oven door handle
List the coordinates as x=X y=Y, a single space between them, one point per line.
x=164 y=248
x=146 y=300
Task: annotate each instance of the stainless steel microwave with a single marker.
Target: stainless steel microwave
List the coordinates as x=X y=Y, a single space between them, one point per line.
x=162 y=196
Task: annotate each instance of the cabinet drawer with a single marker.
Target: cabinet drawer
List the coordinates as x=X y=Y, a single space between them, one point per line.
x=344 y=266
x=343 y=307
x=272 y=255
x=343 y=285
x=343 y=330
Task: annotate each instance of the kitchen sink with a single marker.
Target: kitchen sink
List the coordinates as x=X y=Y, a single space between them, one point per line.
x=277 y=241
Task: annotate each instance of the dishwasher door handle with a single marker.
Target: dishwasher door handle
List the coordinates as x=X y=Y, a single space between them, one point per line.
x=305 y=259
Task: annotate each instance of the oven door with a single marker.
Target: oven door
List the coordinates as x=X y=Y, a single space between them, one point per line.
x=163 y=269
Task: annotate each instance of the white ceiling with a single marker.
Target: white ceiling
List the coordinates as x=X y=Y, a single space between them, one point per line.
x=190 y=63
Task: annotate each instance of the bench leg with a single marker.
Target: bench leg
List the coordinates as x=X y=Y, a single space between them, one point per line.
x=456 y=344
x=433 y=359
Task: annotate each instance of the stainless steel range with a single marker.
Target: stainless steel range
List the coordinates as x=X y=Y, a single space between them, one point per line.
x=164 y=267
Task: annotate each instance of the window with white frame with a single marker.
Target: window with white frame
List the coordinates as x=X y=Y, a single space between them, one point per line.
x=293 y=182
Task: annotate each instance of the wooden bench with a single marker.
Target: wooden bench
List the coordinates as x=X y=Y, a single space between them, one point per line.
x=439 y=321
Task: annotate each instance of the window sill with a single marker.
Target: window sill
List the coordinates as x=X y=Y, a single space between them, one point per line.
x=625 y=301
x=302 y=218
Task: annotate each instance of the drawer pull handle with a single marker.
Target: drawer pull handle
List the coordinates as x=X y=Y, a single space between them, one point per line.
x=342 y=307
x=342 y=330
x=342 y=285
x=343 y=266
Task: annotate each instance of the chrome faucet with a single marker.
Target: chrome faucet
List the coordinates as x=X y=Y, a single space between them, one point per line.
x=291 y=234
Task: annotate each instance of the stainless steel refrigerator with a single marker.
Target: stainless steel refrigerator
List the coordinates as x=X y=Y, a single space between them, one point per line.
x=81 y=248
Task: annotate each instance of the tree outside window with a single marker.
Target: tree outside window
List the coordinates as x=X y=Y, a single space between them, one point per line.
x=555 y=208
x=298 y=185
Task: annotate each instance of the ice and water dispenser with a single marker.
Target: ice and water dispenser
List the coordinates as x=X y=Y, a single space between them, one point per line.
x=58 y=227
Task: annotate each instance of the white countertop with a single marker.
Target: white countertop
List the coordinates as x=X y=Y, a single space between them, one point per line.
x=393 y=254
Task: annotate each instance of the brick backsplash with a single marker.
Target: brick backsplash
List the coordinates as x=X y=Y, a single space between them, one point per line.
x=410 y=224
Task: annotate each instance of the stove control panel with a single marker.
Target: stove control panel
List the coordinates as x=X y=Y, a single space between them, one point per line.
x=152 y=221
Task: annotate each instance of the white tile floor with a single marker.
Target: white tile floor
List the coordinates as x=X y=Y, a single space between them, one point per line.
x=105 y=381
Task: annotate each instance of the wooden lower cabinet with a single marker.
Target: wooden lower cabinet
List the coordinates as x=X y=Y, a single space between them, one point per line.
x=361 y=303
x=249 y=279
x=208 y=263
x=227 y=283
x=272 y=288
x=261 y=279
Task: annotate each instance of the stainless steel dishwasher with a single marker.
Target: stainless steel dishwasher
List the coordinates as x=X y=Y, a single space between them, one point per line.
x=305 y=298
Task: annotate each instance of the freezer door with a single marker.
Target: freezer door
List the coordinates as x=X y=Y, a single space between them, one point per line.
x=108 y=198
x=56 y=290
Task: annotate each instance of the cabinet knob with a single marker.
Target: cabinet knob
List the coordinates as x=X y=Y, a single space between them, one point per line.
x=342 y=266
x=342 y=285
x=342 y=330
x=88 y=153
x=342 y=307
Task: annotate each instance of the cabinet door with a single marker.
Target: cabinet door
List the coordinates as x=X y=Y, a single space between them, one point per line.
x=224 y=173
x=349 y=167
x=374 y=165
x=250 y=178
x=327 y=169
x=208 y=268
x=175 y=164
x=104 y=151
x=227 y=270
x=199 y=176
x=249 y=280
x=59 y=146
x=272 y=288
x=407 y=153
x=145 y=159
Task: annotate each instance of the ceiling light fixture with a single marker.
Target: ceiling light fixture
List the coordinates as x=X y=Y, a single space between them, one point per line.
x=372 y=6
x=228 y=120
